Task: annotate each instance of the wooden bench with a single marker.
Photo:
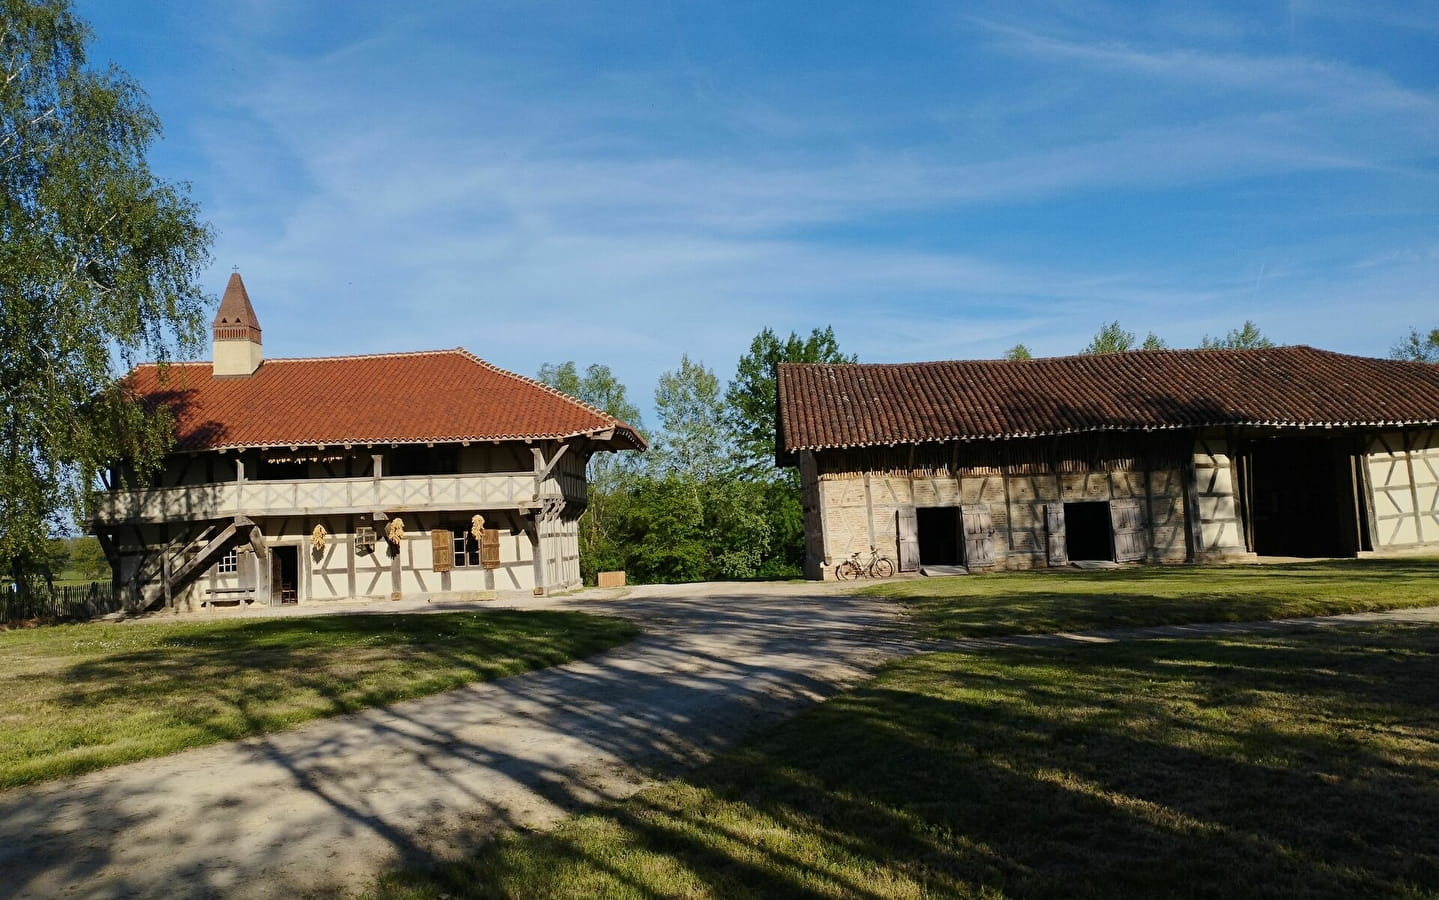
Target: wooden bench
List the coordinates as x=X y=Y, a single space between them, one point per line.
x=236 y=592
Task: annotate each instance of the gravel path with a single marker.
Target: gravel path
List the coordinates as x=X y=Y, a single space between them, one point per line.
x=327 y=806
x=324 y=808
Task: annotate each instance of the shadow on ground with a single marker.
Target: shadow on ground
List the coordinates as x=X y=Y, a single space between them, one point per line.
x=328 y=806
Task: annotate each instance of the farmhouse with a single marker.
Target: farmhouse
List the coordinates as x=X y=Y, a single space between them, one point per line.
x=299 y=480
x=1161 y=456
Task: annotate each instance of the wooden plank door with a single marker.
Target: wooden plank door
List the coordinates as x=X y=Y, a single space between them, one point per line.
x=978 y=535
x=1054 y=530
x=907 y=527
x=1131 y=530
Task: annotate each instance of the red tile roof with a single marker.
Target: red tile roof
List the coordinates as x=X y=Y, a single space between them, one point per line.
x=862 y=405
x=433 y=396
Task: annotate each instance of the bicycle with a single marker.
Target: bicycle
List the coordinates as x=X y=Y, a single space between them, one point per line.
x=877 y=567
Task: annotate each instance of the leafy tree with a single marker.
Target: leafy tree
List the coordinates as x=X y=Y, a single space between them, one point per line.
x=1110 y=338
x=693 y=439
x=1417 y=348
x=89 y=560
x=1018 y=351
x=609 y=473
x=98 y=266
x=57 y=557
x=752 y=397
x=598 y=387
x=1248 y=337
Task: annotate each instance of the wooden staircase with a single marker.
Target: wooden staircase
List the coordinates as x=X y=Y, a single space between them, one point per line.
x=179 y=569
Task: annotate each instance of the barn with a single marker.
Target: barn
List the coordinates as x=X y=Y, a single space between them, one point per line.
x=1165 y=456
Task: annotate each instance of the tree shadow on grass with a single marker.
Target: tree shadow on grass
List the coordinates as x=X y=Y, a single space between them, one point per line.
x=1298 y=765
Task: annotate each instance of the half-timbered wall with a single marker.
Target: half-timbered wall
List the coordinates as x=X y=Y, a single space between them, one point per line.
x=537 y=548
x=1023 y=485
x=1218 y=531
x=344 y=570
x=1403 y=475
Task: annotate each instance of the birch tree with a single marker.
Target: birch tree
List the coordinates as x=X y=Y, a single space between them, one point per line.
x=99 y=260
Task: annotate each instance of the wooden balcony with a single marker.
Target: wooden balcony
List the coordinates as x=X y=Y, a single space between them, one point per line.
x=323 y=496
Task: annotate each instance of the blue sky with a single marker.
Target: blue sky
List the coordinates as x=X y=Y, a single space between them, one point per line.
x=620 y=183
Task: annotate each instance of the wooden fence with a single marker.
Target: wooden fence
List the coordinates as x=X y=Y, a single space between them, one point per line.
x=67 y=602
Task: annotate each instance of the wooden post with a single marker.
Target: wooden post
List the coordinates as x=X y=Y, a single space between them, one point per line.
x=350 y=560
x=869 y=509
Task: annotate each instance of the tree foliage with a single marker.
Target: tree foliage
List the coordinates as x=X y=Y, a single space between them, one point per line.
x=99 y=261
x=1110 y=338
x=693 y=439
x=1018 y=351
x=608 y=472
x=752 y=398
x=1247 y=337
x=1417 y=348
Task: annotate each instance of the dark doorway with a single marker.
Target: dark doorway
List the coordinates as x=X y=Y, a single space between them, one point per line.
x=284 y=575
x=939 y=536
x=1087 y=531
x=1301 y=498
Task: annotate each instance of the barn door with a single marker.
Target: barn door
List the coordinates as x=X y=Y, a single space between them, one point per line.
x=978 y=535
x=907 y=527
x=1054 y=529
x=1131 y=531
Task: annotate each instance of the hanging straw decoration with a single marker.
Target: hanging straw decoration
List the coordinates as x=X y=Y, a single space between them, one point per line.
x=477 y=527
x=395 y=531
x=317 y=538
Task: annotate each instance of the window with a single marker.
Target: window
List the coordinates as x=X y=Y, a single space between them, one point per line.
x=229 y=563
x=364 y=539
x=467 y=549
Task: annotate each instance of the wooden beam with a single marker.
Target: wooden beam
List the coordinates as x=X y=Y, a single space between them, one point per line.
x=543 y=468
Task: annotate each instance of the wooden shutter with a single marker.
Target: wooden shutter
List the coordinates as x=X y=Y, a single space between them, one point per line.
x=1054 y=528
x=978 y=535
x=907 y=526
x=442 y=543
x=1131 y=531
x=490 y=548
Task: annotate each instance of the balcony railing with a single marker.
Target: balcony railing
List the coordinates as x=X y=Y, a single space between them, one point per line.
x=322 y=496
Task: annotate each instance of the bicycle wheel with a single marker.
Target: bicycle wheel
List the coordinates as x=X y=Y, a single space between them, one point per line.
x=883 y=567
x=847 y=570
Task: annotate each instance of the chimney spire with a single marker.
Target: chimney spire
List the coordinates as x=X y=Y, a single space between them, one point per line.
x=236 y=332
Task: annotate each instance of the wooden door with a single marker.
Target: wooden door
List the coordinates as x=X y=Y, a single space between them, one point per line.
x=1131 y=530
x=1054 y=530
x=978 y=535
x=907 y=527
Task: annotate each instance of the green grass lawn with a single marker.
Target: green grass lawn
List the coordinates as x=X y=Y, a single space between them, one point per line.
x=1043 y=602
x=80 y=697
x=1298 y=765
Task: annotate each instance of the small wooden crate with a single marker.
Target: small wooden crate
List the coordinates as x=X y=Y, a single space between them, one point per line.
x=611 y=579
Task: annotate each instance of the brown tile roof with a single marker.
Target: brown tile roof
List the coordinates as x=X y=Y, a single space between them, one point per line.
x=440 y=395
x=861 y=405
